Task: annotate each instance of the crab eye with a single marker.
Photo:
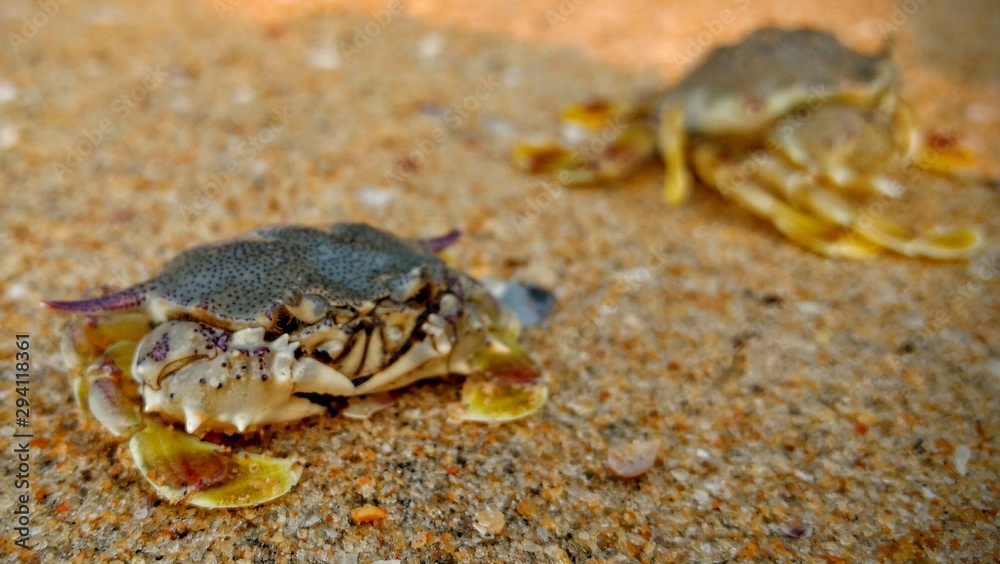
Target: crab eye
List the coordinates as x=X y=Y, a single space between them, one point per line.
x=309 y=309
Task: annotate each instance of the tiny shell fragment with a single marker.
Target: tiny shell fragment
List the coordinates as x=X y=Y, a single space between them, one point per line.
x=489 y=521
x=366 y=406
x=633 y=459
x=368 y=514
x=961 y=459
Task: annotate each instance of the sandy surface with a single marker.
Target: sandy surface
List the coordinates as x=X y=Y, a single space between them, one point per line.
x=809 y=409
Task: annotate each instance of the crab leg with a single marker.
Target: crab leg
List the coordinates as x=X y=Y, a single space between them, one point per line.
x=818 y=235
x=807 y=191
x=129 y=299
x=179 y=466
x=503 y=383
x=621 y=142
x=438 y=244
x=673 y=149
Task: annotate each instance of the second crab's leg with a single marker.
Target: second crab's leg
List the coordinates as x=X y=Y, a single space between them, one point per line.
x=618 y=141
x=820 y=236
x=823 y=202
x=179 y=466
x=673 y=149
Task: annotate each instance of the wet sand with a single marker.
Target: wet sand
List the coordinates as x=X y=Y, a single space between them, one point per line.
x=809 y=409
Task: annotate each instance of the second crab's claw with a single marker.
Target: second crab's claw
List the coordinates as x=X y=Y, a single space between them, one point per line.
x=103 y=390
x=946 y=155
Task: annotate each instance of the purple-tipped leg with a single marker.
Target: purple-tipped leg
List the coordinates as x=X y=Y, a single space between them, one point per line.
x=119 y=301
x=438 y=244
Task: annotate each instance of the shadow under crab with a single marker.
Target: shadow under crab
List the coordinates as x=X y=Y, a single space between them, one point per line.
x=790 y=124
x=237 y=335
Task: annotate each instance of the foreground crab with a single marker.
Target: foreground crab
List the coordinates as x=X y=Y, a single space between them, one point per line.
x=232 y=336
x=791 y=124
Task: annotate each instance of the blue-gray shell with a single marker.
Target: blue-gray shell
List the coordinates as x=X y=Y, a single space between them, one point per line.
x=241 y=283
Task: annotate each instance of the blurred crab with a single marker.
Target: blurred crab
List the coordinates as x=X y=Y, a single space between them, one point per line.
x=790 y=124
x=233 y=336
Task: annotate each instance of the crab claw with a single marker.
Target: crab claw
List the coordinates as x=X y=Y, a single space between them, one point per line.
x=183 y=468
x=101 y=390
x=506 y=385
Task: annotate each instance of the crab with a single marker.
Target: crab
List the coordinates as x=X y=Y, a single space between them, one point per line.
x=791 y=124
x=234 y=336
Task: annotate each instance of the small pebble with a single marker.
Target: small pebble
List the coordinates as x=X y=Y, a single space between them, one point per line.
x=366 y=406
x=633 y=459
x=325 y=56
x=9 y=136
x=531 y=547
x=368 y=514
x=16 y=291
x=376 y=199
x=489 y=521
x=799 y=530
x=8 y=92
x=430 y=48
x=531 y=303
x=961 y=459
